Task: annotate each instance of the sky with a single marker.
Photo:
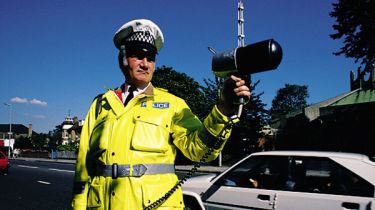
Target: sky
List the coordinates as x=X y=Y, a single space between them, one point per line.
x=57 y=55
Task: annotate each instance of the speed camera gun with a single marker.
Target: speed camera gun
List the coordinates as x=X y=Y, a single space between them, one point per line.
x=258 y=57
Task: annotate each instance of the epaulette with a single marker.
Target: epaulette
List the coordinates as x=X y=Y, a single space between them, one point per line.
x=162 y=89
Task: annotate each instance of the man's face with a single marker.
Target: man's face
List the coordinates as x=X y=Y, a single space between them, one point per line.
x=140 y=69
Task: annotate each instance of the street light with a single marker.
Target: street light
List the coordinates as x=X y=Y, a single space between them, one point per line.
x=10 y=126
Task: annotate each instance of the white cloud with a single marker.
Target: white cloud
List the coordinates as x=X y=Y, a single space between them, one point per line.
x=38 y=102
x=18 y=100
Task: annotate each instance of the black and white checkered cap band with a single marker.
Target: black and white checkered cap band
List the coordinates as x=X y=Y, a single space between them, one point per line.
x=142 y=36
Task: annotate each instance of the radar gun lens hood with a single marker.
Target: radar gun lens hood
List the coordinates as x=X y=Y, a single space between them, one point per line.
x=258 y=57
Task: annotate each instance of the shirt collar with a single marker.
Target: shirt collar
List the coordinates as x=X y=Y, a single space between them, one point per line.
x=148 y=90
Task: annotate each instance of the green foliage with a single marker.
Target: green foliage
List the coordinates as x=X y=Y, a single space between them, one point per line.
x=184 y=87
x=247 y=131
x=255 y=114
x=289 y=98
x=23 y=143
x=211 y=93
x=55 y=137
x=67 y=147
x=355 y=23
x=39 y=141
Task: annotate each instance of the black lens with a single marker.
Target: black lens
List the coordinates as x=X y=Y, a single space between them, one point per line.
x=141 y=54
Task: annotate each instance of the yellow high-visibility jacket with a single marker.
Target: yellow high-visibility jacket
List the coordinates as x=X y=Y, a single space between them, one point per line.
x=146 y=131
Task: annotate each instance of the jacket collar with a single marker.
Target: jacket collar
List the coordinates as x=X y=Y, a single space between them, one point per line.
x=117 y=105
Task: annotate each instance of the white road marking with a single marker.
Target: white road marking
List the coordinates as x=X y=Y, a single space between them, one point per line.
x=54 y=169
x=44 y=182
x=24 y=166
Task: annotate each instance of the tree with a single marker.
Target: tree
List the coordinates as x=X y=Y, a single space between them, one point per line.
x=55 y=137
x=246 y=133
x=289 y=98
x=39 y=141
x=254 y=115
x=211 y=93
x=355 y=22
x=23 y=143
x=184 y=87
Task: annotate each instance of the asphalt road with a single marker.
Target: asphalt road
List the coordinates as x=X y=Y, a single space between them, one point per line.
x=38 y=185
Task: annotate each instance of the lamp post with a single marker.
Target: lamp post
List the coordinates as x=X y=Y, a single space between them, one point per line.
x=10 y=126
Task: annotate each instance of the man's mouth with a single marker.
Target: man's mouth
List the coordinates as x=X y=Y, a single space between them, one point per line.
x=142 y=71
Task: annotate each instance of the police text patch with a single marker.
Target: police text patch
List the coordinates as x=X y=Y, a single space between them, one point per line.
x=160 y=105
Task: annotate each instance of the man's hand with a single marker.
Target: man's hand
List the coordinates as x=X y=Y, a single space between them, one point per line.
x=234 y=88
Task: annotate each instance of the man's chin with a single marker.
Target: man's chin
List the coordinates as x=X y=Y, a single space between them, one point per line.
x=141 y=83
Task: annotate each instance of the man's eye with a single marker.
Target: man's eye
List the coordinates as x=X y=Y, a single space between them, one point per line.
x=133 y=56
x=150 y=58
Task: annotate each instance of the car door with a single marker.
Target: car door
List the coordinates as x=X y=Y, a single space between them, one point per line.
x=231 y=198
x=250 y=185
x=320 y=183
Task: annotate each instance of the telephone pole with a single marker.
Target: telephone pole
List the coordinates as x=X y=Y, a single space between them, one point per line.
x=10 y=126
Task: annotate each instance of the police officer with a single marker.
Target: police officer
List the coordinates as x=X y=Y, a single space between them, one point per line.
x=131 y=134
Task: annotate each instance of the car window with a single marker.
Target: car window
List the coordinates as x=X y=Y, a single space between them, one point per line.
x=323 y=175
x=265 y=172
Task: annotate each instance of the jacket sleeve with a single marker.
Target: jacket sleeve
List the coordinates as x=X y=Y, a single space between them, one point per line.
x=194 y=138
x=81 y=177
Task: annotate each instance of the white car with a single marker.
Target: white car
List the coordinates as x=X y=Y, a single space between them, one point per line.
x=287 y=180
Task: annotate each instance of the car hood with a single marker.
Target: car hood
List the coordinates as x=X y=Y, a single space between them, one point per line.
x=198 y=184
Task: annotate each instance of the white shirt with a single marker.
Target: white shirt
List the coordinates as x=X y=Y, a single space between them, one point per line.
x=135 y=92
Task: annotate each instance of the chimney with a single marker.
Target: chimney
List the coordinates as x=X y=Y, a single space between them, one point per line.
x=30 y=130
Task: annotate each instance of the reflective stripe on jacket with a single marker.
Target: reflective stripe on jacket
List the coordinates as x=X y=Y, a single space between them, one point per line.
x=148 y=130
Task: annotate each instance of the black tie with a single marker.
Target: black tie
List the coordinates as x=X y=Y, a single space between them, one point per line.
x=130 y=95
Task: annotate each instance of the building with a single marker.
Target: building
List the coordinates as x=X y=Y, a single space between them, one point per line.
x=18 y=130
x=342 y=123
x=71 y=130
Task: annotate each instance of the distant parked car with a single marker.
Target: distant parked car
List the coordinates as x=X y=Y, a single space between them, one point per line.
x=287 y=180
x=4 y=163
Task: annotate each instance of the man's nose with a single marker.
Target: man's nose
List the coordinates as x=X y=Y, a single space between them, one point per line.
x=144 y=62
